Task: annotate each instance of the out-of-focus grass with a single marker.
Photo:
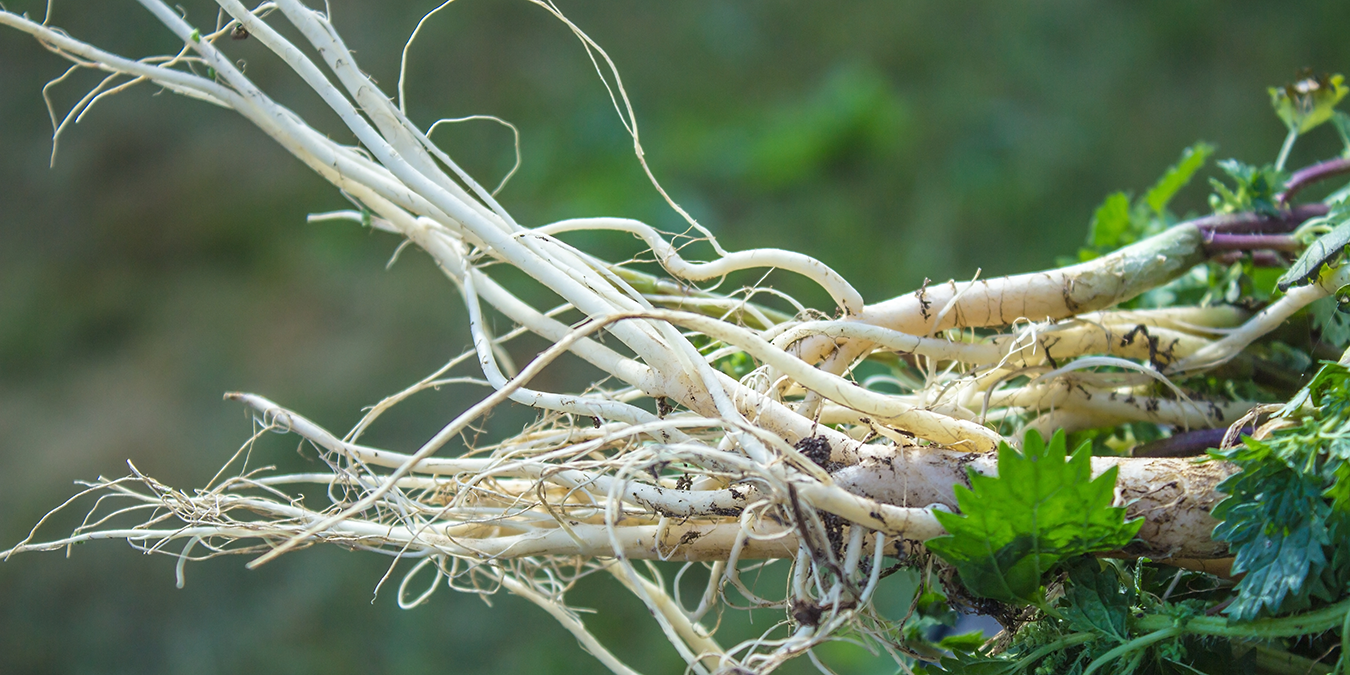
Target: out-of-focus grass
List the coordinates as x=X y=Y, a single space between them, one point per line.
x=165 y=258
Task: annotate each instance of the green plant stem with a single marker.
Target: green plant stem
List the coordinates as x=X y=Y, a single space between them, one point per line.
x=1280 y=662
x=1284 y=149
x=1048 y=608
x=1046 y=650
x=1311 y=623
x=1343 y=665
x=1133 y=645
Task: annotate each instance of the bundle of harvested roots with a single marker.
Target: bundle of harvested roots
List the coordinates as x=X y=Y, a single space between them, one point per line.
x=722 y=430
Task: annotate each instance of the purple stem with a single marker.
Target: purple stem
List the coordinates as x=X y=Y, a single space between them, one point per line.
x=1258 y=223
x=1259 y=258
x=1186 y=444
x=1268 y=259
x=1312 y=174
x=1215 y=242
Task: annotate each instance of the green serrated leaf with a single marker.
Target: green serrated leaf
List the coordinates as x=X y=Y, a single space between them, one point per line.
x=1177 y=176
x=1325 y=251
x=1039 y=511
x=1308 y=102
x=1095 y=600
x=1276 y=537
x=1110 y=222
x=1287 y=516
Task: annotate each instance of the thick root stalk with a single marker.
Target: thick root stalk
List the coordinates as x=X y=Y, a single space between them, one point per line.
x=1173 y=496
x=1039 y=296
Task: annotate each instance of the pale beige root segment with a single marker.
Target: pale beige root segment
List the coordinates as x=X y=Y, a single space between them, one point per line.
x=928 y=424
x=1053 y=294
x=1173 y=496
x=1215 y=319
x=1058 y=344
x=1071 y=407
x=1048 y=344
x=680 y=541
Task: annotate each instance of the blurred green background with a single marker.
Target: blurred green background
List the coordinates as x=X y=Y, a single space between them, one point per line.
x=165 y=258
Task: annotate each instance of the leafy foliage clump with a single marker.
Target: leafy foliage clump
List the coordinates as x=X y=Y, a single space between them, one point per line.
x=1093 y=626
x=1254 y=188
x=1025 y=539
x=1287 y=516
x=1287 y=519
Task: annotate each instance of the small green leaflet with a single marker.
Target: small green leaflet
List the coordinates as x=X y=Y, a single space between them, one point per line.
x=1177 y=176
x=1096 y=601
x=1120 y=221
x=1111 y=223
x=964 y=642
x=1320 y=253
x=1039 y=511
x=1254 y=188
x=1308 y=102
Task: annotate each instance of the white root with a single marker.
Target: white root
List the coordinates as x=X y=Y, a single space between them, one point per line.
x=843 y=293
x=1054 y=294
x=1267 y=320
